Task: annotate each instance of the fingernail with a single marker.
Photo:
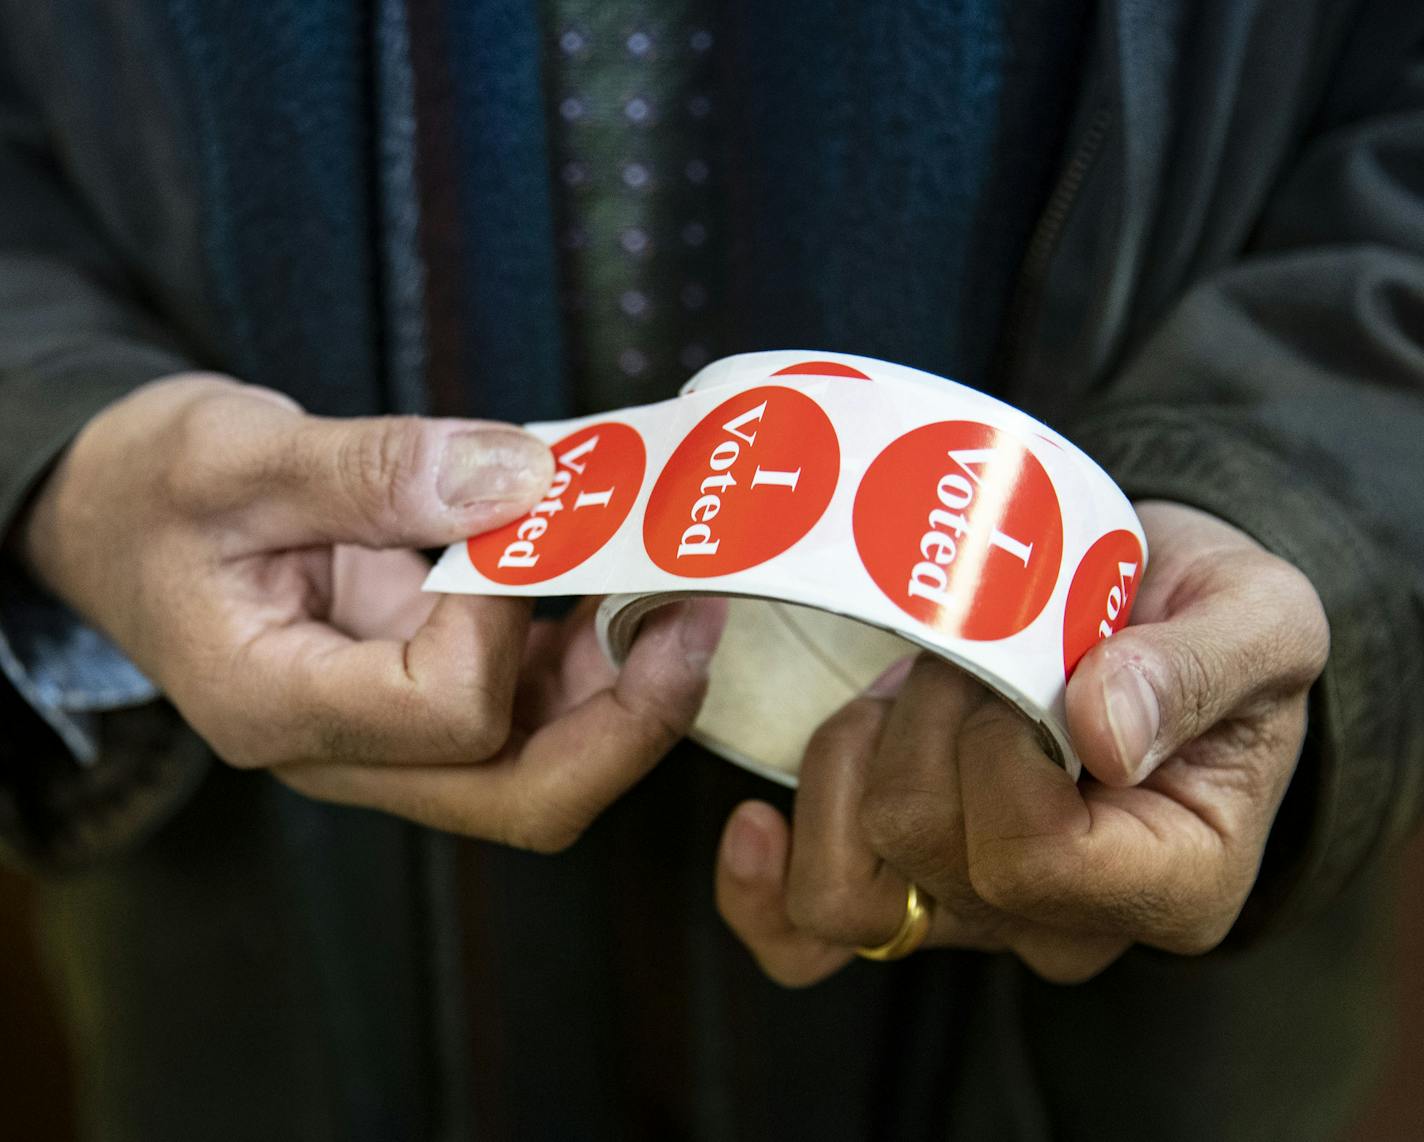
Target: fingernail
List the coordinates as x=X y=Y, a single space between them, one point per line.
x=1133 y=715
x=746 y=849
x=891 y=680
x=500 y=463
x=701 y=630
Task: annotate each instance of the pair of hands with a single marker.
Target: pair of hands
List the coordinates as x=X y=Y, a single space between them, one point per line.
x=249 y=559
x=1189 y=723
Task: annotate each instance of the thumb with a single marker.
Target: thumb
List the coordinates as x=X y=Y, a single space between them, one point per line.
x=1140 y=696
x=751 y=876
x=394 y=481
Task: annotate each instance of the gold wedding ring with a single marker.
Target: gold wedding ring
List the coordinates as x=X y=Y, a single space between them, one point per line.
x=911 y=933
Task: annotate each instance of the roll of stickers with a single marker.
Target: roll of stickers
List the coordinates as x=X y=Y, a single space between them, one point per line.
x=855 y=511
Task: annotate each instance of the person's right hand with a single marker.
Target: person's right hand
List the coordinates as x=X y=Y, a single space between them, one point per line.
x=243 y=554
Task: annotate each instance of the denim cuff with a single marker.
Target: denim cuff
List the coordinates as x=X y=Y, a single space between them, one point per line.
x=67 y=671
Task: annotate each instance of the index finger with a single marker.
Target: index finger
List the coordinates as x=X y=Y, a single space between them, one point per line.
x=1127 y=862
x=911 y=808
x=543 y=790
x=306 y=692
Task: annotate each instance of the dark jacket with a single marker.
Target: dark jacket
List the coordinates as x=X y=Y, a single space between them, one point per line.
x=1223 y=302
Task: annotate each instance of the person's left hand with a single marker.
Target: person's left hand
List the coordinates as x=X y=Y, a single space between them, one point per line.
x=1189 y=723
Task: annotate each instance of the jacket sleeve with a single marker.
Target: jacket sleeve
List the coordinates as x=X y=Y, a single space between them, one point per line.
x=1285 y=394
x=75 y=335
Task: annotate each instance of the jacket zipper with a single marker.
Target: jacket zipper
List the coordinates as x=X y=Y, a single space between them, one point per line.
x=1028 y=291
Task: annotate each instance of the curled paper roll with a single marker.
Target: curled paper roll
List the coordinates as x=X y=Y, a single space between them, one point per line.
x=855 y=511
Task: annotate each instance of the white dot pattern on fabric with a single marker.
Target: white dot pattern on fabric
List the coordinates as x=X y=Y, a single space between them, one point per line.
x=634 y=240
x=634 y=130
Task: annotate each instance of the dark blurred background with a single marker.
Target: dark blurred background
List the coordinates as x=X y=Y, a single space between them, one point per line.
x=35 y=1091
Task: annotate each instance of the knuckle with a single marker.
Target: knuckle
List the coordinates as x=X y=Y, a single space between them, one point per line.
x=1067 y=973
x=1070 y=965
x=542 y=817
x=994 y=729
x=996 y=884
x=785 y=971
x=910 y=829
x=466 y=703
x=192 y=480
x=847 y=737
x=644 y=731
x=1291 y=653
x=1206 y=912
x=550 y=838
x=545 y=830
x=1007 y=876
x=849 y=731
x=1193 y=683
x=483 y=726
x=379 y=466
x=660 y=723
x=1307 y=637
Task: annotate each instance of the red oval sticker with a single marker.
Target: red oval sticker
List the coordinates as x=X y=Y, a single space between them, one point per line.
x=598 y=472
x=747 y=482
x=1100 y=596
x=821 y=369
x=959 y=525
